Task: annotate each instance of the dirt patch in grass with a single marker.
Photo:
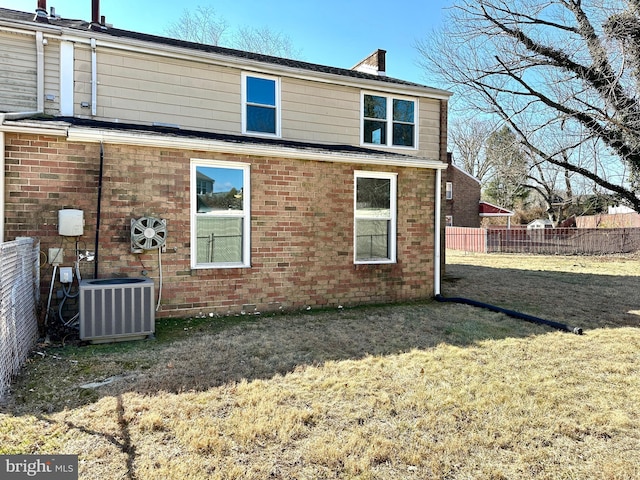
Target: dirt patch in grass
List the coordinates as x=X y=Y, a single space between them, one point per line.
x=425 y=390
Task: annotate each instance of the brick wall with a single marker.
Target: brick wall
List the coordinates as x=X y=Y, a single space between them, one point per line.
x=301 y=225
x=466 y=198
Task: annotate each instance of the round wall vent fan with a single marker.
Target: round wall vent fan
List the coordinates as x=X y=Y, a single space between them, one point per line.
x=148 y=233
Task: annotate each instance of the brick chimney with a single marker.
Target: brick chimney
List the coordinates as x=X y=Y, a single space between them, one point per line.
x=375 y=64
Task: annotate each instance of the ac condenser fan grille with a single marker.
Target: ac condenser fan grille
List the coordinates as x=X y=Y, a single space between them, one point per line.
x=148 y=233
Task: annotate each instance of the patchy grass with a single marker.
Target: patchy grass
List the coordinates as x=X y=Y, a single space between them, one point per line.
x=425 y=390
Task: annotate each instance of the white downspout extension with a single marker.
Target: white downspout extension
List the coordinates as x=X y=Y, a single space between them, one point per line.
x=436 y=243
x=94 y=78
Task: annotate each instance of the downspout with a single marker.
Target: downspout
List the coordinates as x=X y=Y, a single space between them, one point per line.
x=95 y=250
x=94 y=78
x=436 y=241
x=40 y=42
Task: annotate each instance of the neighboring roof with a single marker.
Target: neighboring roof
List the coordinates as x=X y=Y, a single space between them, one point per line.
x=82 y=129
x=489 y=210
x=80 y=25
x=540 y=221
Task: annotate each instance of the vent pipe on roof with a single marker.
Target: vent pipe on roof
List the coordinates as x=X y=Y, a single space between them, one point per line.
x=95 y=11
x=97 y=22
x=41 y=12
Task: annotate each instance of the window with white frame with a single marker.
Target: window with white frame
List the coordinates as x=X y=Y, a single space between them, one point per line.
x=260 y=104
x=448 y=220
x=388 y=121
x=375 y=217
x=220 y=216
x=448 y=190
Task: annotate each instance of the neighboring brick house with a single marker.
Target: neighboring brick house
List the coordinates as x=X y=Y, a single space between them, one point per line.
x=279 y=183
x=462 y=197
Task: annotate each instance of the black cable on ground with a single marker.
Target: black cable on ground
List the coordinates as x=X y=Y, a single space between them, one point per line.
x=511 y=313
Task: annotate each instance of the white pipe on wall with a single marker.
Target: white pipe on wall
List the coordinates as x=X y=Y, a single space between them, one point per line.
x=40 y=42
x=436 y=240
x=94 y=78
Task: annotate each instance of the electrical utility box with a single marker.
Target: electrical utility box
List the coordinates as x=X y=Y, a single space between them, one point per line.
x=70 y=222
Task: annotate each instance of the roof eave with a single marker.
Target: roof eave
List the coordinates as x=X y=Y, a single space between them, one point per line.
x=96 y=135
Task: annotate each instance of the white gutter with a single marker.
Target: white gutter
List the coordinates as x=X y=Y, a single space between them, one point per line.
x=93 y=135
x=436 y=243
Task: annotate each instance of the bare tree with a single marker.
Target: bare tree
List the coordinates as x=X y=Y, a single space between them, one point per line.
x=468 y=138
x=203 y=25
x=550 y=69
x=263 y=40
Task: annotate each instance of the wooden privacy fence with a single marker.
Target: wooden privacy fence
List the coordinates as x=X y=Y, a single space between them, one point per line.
x=550 y=241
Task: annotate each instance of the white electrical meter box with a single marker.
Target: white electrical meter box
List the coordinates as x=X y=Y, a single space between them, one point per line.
x=70 y=222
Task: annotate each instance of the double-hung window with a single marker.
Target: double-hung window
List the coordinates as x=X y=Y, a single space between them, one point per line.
x=260 y=104
x=375 y=217
x=448 y=190
x=388 y=121
x=220 y=216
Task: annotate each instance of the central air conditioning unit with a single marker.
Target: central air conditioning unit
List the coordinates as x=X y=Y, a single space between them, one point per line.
x=148 y=233
x=115 y=309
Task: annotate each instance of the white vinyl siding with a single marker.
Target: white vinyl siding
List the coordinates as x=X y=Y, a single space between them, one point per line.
x=18 y=90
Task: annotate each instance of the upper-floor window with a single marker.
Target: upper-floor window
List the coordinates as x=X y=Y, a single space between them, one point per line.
x=388 y=121
x=448 y=190
x=220 y=216
x=260 y=104
x=375 y=217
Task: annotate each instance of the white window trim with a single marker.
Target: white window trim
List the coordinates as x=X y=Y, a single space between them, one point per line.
x=448 y=191
x=393 y=229
x=389 y=121
x=244 y=76
x=245 y=214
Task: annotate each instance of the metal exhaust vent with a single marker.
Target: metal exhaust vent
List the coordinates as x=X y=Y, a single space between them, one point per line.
x=148 y=233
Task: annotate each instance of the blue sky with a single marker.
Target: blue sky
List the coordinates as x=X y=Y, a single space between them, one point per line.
x=338 y=33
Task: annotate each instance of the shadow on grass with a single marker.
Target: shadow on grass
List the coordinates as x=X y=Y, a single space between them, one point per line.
x=210 y=352
x=585 y=300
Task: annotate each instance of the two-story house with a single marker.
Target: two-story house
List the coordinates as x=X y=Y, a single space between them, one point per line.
x=229 y=178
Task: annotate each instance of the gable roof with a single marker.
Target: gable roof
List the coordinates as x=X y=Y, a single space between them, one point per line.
x=489 y=210
x=465 y=173
x=84 y=27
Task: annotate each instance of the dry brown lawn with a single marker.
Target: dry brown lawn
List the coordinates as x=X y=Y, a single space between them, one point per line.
x=426 y=390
